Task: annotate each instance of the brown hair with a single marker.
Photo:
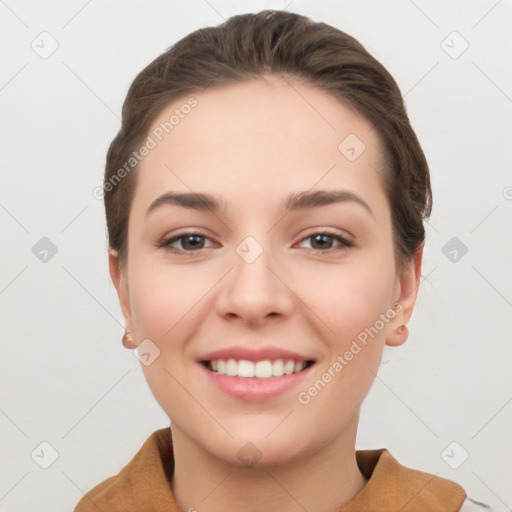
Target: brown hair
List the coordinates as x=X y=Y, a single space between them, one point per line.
x=247 y=47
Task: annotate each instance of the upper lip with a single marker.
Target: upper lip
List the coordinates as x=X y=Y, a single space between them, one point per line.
x=249 y=354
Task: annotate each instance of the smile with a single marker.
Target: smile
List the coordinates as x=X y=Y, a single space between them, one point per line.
x=264 y=369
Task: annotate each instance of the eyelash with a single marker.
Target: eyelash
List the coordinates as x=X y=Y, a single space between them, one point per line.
x=166 y=244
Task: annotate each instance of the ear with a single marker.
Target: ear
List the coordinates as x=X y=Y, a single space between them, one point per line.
x=407 y=284
x=120 y=281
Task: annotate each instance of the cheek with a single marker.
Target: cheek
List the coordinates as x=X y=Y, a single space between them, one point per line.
x=355 y=302
x=165 y=298
x=347 y=298
x=169 y=302
x=165 y=301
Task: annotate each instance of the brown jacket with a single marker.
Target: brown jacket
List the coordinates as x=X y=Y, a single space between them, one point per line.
x=143 y=485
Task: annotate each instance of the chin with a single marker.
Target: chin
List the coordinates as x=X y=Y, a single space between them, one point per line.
x=251 y=448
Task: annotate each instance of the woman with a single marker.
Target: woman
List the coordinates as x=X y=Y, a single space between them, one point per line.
x=265 y=200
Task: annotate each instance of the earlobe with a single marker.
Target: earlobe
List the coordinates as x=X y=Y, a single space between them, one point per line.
x=128 y=341
x=409 y=281
x=397 y=335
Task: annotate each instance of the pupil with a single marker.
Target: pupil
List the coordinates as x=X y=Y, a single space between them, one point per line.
x=196 y=238
x=321 y=238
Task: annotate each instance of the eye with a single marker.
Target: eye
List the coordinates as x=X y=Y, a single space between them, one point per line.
x=323 y=241
x=188 y=242
x=194 y=242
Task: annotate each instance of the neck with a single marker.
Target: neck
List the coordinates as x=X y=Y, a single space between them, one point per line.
x=323 y=481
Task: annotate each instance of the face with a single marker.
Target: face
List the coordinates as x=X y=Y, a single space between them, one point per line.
x=259 y=275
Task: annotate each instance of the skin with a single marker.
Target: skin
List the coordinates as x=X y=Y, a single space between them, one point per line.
x=253 y=144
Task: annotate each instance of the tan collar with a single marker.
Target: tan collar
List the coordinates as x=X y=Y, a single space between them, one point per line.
x=392 y=487
x=144 y=484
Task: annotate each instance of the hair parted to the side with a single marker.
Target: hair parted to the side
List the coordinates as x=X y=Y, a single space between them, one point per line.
x=250 y=46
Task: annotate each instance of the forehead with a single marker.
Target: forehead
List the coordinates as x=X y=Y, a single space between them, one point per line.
x=259 y=136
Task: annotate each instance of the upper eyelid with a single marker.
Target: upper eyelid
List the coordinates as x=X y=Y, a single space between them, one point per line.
x=329 y=231
x=175 y=238
x=344 y=240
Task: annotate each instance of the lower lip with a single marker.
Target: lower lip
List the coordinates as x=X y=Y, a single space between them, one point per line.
x=254 y=389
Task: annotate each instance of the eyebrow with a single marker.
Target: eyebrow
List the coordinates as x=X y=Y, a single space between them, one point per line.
x=296 y=201
x=302 y=200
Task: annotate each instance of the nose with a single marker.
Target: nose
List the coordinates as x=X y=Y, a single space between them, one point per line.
x=255 y=292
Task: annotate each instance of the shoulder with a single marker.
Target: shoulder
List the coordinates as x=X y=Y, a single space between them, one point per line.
x=141 y=485
x=471 y=505
x=108 y=493
x=408 y=489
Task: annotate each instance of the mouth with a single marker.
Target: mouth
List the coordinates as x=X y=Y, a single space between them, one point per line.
x=264 y=369
x=256 y=381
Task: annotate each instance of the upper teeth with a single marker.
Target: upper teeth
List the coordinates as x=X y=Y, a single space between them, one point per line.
x=261 y=369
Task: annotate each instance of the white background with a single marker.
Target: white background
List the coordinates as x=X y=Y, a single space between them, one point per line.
x=65 y=377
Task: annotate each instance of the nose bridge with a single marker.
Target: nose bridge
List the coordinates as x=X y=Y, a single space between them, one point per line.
x=252 y=290
x=251 y=274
